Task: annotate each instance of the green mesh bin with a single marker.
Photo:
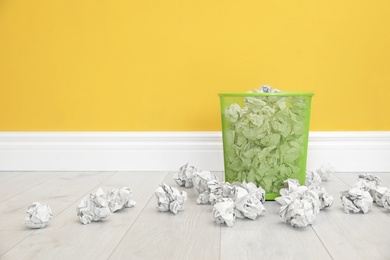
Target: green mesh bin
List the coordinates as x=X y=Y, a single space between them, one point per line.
x=265 y=138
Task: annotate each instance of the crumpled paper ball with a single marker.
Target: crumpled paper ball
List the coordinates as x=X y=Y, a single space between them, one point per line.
x=257 y=192
x=120 y=198
x=292 y=186
x=385 y=201
x=200 y=180
x=170 y=199
x=216 y=191
x=368 y=182
x=39 y=215
x=356 y=200
x=324 y=198
x=371 y=178
x=185 y=175
x=312 y=178
x=219 y=190
x=93 y=207
x=224 y=212
x=298 y=211
x=324 y=171
x=378 y=195
x=300 y=205
x=242 y=200
x=247 y=204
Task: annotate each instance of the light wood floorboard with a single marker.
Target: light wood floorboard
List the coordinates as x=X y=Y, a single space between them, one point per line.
x=353 y=236
x=268 y=237
x=68 y=238
x=144 y=233
x=191 y=234
x=12 y=186
x=59 y=193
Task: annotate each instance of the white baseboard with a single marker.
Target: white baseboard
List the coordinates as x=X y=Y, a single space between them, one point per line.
x=167 y=151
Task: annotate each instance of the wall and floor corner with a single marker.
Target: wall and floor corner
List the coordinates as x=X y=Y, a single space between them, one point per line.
x=167 y=151
x=140 y=78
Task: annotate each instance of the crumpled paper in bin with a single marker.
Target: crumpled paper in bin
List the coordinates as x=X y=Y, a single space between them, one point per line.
x=120 y=198
x=265 y=136
x=266 y=89
x=94 y=207
x=39 y=215
x=356 y=200
x=170 y=199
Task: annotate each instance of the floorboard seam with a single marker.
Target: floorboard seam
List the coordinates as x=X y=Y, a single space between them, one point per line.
x=336 y=175
x=17 y=244
x=59 y=173
x=322 y=242
x=135 y=220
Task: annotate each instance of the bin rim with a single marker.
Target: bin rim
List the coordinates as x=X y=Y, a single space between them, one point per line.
x=259 y=94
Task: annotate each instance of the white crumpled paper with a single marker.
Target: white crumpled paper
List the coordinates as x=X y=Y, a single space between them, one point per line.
x=201 y=179
x=252 y=189
x=170 y=199
x=371 y=178
x=248 y=204
x=325 y=170
x=356 y=200
x=312 y=178
x=39 y=215
x=185 y=175
x=94 y=207
x=291 y=186
x=300 y=209
x=385 y=201
x=245 y=199
x=215 y=191
x=229 y=200
x=266 y=89
x=301 y=204
x=299 y=213
x=324 y=198
x=378 y=195
x=368 y=182
x=224 y=212
x=120 y=198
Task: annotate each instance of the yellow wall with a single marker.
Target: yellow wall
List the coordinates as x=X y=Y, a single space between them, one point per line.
x=158 y=65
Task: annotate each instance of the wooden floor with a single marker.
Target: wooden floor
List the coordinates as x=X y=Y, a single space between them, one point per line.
x=144 y=233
